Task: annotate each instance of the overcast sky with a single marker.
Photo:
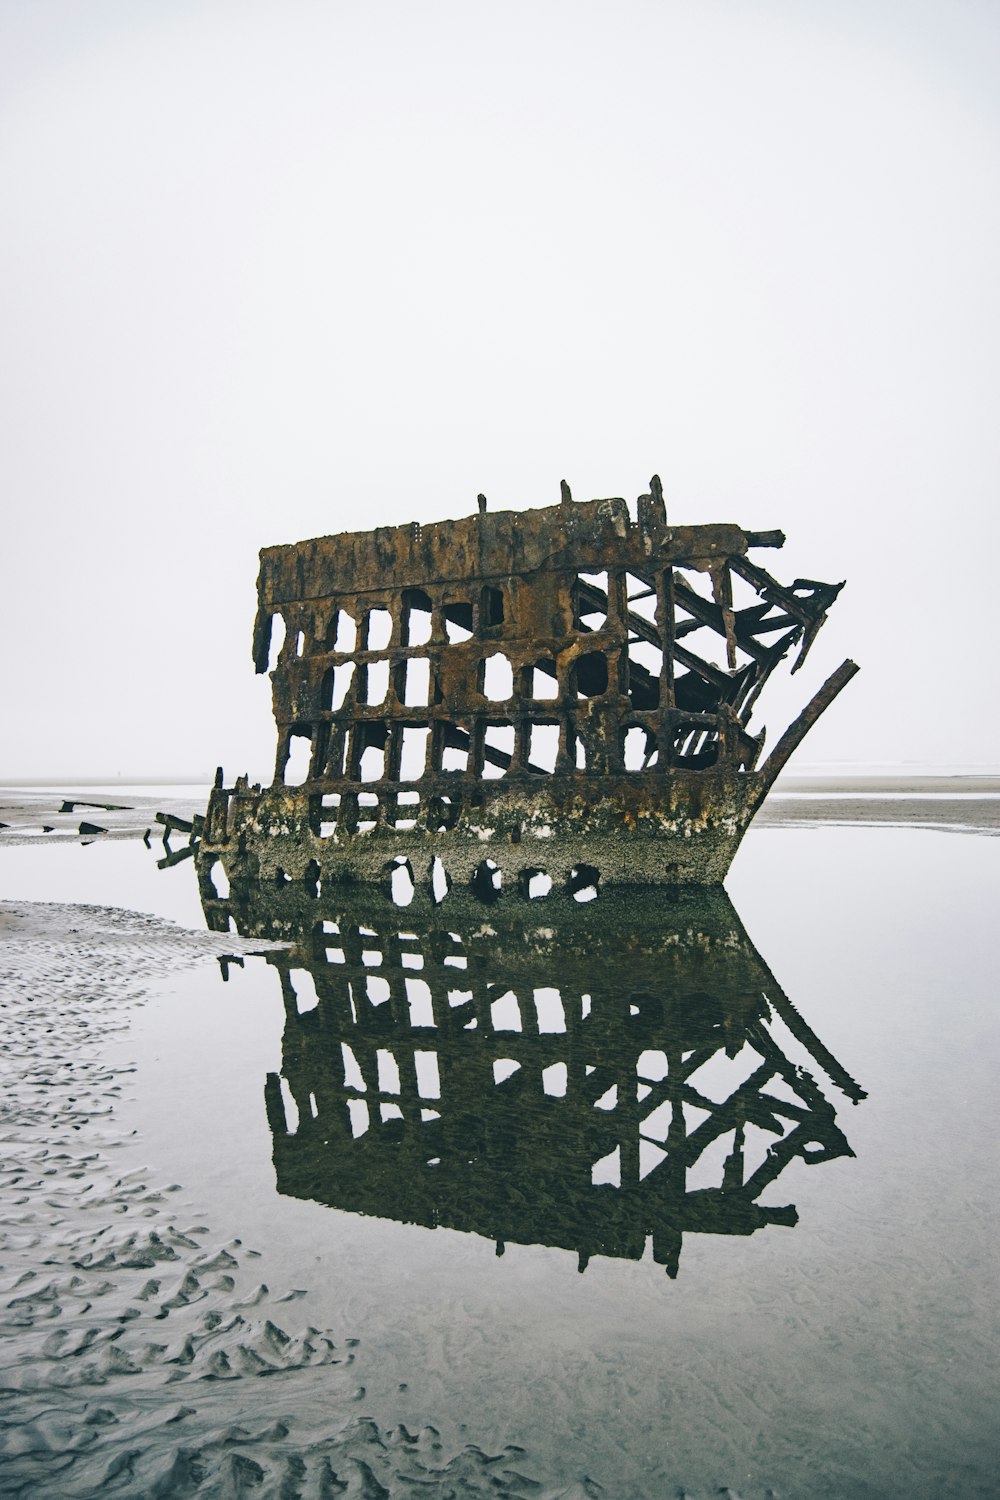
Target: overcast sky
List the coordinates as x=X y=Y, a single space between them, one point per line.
x=275 y=270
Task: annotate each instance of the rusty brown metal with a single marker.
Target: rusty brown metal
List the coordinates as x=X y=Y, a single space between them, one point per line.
x=566 y=689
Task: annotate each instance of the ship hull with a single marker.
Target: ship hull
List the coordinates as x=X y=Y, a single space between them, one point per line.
x=679 y=829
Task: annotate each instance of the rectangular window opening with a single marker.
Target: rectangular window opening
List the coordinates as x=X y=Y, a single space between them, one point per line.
x=343 y=632
x=458 y=622
x=578 y=751
x=276 y=632
x=498 y=750
x=491 y=610
x=407 y=808
x=378 y=630
x=298 y=757
x=336 y=686
x=590 y=601
x=416 y=617
x=589 y=674
x=645 y=608
x=496 y=678
x=695 y=747
x=329 y=813
x=413 y=752
x=543 y=747
x=544 y=679
x=637 y=588
x=367 y=811
x=454 y=747
x=639 y=749
x=375 y=676
x=371 y=766
x=645 y=662
x=417 y=682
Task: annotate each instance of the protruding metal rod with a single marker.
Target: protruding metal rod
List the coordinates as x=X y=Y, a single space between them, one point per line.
x=796 y=732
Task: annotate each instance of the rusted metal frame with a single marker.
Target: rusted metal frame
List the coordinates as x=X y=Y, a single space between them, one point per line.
x=665 y=619
x=722 y=589
x=717 y=676
x=751 y=682
x=765 y=538
x=756 y=619
x=645 y=630
x=638 y=627
x=711 y=674
x=797 y=731
x=766 y=658
x=772 y=591
x=705 y=613
x=398 y=655
x=699 y=730
x=755 y=687
x=811 y=613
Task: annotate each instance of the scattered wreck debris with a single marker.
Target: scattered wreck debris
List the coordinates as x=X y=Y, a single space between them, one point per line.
x=564 y=689
x=173 y=824
x=68 y=807
x=547 y=1082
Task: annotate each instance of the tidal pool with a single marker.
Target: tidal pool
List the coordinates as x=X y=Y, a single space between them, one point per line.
x=677 y=1198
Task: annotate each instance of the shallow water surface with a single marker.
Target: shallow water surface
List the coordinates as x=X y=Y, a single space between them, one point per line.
x=677 y=1198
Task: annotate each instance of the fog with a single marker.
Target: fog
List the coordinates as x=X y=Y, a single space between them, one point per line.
x=272 y=271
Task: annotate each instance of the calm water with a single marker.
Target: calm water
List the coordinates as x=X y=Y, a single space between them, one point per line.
x=714 y=1188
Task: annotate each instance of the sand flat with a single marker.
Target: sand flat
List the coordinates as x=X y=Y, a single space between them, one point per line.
x=134 y=1343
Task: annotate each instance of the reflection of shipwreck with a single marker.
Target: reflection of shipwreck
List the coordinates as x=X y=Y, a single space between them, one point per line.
x=541 y=689
x=626 y=1073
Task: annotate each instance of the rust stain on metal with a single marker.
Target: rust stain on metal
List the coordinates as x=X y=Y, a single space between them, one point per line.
x=566 y=689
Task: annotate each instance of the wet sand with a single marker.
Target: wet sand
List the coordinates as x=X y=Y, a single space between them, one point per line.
x=55 y=815
x=956 y=813
x=134 y=1342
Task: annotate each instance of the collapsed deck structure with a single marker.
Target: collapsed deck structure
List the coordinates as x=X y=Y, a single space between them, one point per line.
x=566 y=690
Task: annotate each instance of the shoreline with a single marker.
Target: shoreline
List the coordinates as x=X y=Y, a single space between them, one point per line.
x=961 y=803
x=133 y=1340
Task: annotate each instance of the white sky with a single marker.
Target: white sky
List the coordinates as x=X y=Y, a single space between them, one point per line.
x=275 y=270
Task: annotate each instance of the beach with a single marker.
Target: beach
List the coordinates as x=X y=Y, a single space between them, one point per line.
x=135 y=1344
x=143 y=1353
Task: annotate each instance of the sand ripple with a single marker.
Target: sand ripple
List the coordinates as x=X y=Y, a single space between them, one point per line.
x=133 y=1344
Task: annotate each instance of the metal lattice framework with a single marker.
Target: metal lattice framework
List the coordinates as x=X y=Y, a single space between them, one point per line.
x=568 y=668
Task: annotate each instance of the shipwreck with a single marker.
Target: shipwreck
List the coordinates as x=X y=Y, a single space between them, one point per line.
x=561 y=694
